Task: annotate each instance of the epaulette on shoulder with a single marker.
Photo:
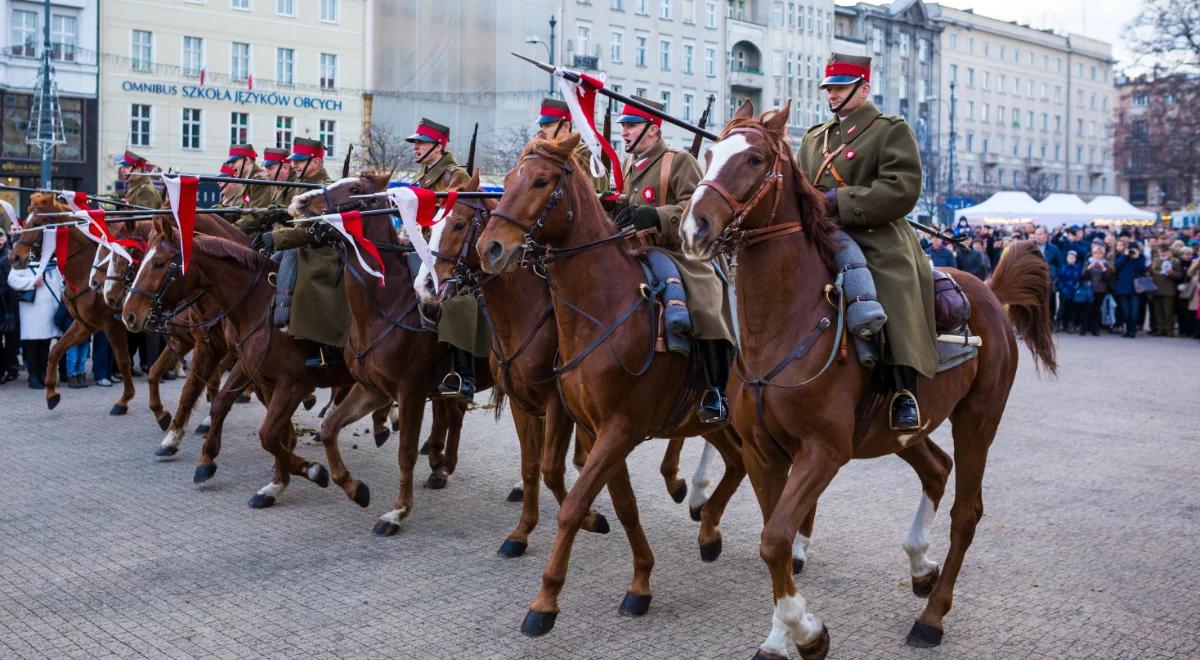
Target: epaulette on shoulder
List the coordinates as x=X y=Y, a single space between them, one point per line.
x=895 y=119
x=815 y=127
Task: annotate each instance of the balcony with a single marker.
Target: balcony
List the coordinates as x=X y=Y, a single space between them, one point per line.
x=586 y=62
x=746 y=77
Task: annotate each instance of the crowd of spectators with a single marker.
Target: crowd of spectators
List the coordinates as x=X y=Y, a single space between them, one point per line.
x=1111 y=279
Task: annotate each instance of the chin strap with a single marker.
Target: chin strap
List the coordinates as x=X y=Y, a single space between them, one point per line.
x=421 y=160
x=638 y=141
x=853 y=90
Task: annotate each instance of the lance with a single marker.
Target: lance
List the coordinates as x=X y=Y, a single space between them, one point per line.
x=80 y=223
x=575 y=77
x=234 y=179
x=607 y=135
x=99 y=200
x=695 y=150
x=471 y=151
x=154 y=212
x=933 y=231
x=346 y=163
x=465 y=194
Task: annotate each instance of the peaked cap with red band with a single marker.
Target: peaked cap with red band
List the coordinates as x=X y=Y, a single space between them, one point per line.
x=846 y=70
x=305 y=148
x=241 y=151
x=273 y=156
x=632 y=115
x=130 y=159
x=227 y=171
x=429 y=130
x=553 y=110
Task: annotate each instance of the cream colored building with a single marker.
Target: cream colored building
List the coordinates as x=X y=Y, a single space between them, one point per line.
x=181 y=80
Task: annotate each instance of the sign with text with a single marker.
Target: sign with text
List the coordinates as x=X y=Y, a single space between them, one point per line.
x=235 y=96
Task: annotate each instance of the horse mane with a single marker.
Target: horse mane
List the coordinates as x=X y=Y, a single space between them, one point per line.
x=809 y=200
x=582 y=192
x=42 y=198
x=225 y=249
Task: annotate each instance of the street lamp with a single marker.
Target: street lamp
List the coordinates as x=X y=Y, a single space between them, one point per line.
x=549 y=48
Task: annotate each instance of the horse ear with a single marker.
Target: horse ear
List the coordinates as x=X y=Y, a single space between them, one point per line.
x=473 y=184
x=166 y=227
x=745 y=110
x=776 y=120
x=570 y=142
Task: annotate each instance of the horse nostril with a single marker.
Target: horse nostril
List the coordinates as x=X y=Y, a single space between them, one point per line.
x=701 y=223
x=495 y=251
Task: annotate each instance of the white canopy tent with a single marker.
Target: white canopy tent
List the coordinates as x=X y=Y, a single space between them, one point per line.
x=1113 y=210
x=1063 y=209
x=1003 y=208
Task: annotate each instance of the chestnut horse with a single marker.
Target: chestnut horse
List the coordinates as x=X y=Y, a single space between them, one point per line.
x=797 y=408
x=613 y=383
x=391 y=356
x=83 y=300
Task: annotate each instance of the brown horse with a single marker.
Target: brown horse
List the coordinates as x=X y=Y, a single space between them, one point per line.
x=386 y=331
x=612 y=381
x=228 y=284
x=84 y=302
x=797 y=408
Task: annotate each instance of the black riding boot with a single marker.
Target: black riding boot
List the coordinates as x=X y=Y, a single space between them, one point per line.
x=717 y=355
x=459 y=380
x=906 y=415
x=323 y=356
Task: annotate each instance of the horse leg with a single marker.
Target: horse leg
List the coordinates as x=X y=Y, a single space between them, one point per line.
x=235 y=382
x=360 y=401
x=412 y=409
x=727 y=443
x=379 y=424
x=529 y=435
x=278 y=437
x=767 y=477
x=605 y=464
x=811 y=471
x=118 y=339
x=801 y=546
x=700 y=482
x=973 y=431
x=75 y=335
x=579 y=457
x=676 y=487
x=203 y=363
x=164 y=362
x=444 y=436
x=932 y=466
x=556 y=441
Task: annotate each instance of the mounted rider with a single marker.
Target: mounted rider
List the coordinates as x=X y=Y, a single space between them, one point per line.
x=274 y=168
x=869 y=167
x=658 y=183
x=139 y=190
x=320 y=312
x=461 y=326
x=232 y=194
x=550 y=114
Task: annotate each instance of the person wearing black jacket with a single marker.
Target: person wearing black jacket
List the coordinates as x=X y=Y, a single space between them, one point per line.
x=10 y=328
x=972 y=260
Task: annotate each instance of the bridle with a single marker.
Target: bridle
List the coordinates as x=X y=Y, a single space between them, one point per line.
x=464 y=278
x=733 y=238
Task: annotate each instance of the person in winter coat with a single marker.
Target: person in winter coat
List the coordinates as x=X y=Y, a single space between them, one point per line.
x=972 y=259
x=1130 y=265
x=10 y=332
x=1067 y=282
x=1167 y=275
x=1100 y=274
x=37 y=317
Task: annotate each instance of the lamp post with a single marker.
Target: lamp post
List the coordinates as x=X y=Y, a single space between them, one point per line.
x=953 y=137
x=549 y=49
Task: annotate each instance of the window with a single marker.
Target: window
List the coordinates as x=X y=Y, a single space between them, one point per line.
x=665 y=12
x=665 y=97
x=922 y=50
x=328 y=71
x=983 y=111
x=63 y=36
x=777 y=14
x=1093 y=72
x=987 y=79
x=1000 y=115
x=664 y=55
x=190 y=129
x=285 y=60
x=954 y=40
x=142 y=50
x=24 y=33
x=1092 y=102
x=193 y=56
x=239 y=61
x=1079 y=127
x=953 y=73
x=641 y=8
x=1029 y=89
x=710 y=61
x=1057 y=151
x=1058 y=94
x=1139 y=128
x=639 y=52
x=583 y=34
x=971 y=45
x=614 y=52
x=329 y=12
x=1016 y=118
x=328 y=135
x=1045 y=91
x=1016 y=86
x=1045 y=122
x=689 y=100
x=970 y=141
x=239 y=127
x=1058 y=123
x=640 y=92
x=904 y=44
x=139 y=125
x=1079 y=98
x=285 y=7
x=970 y=77
x=1140 y=99
x=710 y=14
x=877 y=40
x=617 y=5
x=240 y=4
x=689 y=58
x=283 y=132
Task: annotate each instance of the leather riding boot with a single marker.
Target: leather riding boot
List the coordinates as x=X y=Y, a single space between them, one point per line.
x=906 y=414
x=460 y=379
x=717 y=355
x=323 y=356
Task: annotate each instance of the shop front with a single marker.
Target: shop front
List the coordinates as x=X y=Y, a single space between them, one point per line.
x=73 y=167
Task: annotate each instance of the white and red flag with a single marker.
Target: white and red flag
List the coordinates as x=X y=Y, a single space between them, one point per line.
x=349 y=225
x=581 y=99
x=181 y=190
x=418 y=208
x=96 y=229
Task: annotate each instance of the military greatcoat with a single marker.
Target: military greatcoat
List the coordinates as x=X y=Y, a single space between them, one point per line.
x=320 y=312
x=709 y=307
x=877 y=160
x=141 y=192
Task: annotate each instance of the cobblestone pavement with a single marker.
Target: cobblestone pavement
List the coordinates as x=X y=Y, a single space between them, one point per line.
x=1089 y=547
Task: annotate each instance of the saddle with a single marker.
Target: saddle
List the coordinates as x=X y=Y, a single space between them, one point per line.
x=951 y=314
x=951 y=308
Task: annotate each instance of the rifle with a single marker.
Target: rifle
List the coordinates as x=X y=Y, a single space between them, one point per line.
x=471 y=151
x=346 y=163
x=695 y=150
x=235 y=179
x=607 y=135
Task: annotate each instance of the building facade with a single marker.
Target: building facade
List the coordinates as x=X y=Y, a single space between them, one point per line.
x=1157 y=168
x=73 y=36
x=181 y=80
x=1031 y=108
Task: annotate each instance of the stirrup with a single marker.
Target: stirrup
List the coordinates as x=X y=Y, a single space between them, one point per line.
x=446 y=389
x=892 y=412
x=711 y=412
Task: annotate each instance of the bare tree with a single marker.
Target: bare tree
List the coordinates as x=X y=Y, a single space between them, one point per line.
x=506 y=147
x=384 y=150
x=1166 y=35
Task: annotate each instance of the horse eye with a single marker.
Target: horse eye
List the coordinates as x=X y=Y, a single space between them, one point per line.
x=755 y=160
x=541 y=183
x=459 y=225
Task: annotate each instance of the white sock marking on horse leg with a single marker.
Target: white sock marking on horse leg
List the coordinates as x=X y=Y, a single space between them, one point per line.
x=520 y=485
x=207 y=421
x=273 y=489
x=792 y=622
x=313 y=471
x=700 y=481
x=172 y=439
x=800 y=547
x=916 y=544
x=394 y=415
x=395 y=515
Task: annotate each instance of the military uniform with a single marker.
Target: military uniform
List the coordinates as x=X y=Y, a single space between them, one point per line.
x=550 y=113
x=261 y=197
x=140 y=190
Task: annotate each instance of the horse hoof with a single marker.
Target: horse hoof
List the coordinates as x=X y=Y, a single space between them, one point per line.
x=164 y=422
x=923 y=585
x=511 y=548
x=381 y=438
x=537 y=624
x=710 y=551
x=679 y=493
x=385 y=528
x=797 y=566
x=362 y=495
x=260 y=501
x=202 y=429
x=923 y=636
x=206 y=472
x=816 y=649
x=166 y=452
x=634 y=604
x=435 y=482
x=695 y=512
x=601 y=525
x=767 y=655
x=321 y=478
x=425 y=449
x=244 y=398
x=396 y=427
x=309 y=402
x=515 y=495
x=53 y=401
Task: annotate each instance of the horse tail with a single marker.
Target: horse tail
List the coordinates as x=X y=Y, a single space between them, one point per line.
x=499 y=397
x=1022 y=283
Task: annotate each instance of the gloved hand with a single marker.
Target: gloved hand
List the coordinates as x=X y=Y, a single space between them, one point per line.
x=264 y=242
x=612 y=203
x=9 y=325
x=322 y=234
x=831 y=204
x=645 y=217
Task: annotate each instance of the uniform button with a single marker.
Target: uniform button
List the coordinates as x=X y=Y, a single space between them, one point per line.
x=857 y=211
x=850 y=193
